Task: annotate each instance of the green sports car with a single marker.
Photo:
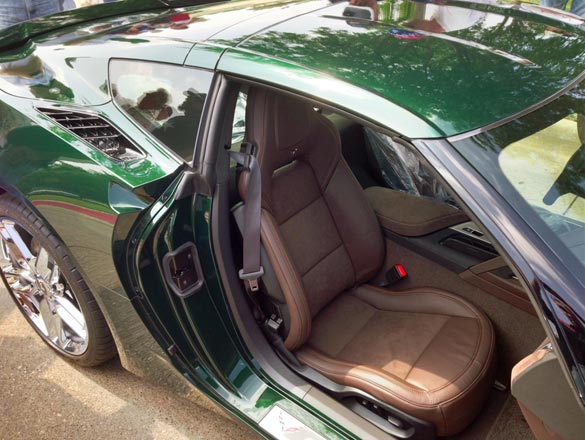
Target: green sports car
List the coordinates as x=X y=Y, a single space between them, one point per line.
x=336 y=221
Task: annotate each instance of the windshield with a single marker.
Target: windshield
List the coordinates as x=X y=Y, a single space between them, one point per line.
x=537 y=162
x=16 y=11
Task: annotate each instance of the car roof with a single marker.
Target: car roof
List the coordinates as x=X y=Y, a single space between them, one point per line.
x=455 y=65
x=489 y=63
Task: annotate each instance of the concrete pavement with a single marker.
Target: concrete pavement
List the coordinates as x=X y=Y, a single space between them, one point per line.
x=42 y=396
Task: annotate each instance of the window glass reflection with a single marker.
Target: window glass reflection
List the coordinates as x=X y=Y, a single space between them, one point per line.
x=167 y=101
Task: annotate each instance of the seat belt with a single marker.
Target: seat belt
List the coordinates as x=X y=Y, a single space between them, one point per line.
x=252 y=268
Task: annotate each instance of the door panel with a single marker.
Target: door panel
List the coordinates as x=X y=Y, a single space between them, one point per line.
x=545 y=397
x=187 y=318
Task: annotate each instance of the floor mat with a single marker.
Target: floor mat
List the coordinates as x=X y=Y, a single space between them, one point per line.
x=481 y=426
x=501 y=419
x=510 y=425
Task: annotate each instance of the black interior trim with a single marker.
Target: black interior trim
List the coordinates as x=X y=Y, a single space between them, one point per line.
x=436 y=247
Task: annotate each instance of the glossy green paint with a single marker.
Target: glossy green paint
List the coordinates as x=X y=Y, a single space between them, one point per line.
x=458 y=80
x=70 y=64
x=51 y=149
x=245 y=19
x=496 y=64
x=58 y=67
x=261 y=15
x=19 y=33
x=204 y=56
x=326 y=88
x=82 y=194
x=107 y=213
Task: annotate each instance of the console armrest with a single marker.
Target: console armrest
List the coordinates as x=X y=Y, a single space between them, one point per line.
x=409 y=215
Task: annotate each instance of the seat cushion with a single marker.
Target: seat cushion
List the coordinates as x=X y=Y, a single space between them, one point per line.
x=426 y=352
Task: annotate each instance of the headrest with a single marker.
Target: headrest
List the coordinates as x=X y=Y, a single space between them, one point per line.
x=279 y=123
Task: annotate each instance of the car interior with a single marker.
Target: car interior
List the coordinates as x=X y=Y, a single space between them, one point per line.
x=382 y=303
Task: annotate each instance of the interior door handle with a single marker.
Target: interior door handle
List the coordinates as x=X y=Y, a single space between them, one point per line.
x=182 y=270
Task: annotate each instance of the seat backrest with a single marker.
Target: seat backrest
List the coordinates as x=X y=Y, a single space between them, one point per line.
x=319 y=232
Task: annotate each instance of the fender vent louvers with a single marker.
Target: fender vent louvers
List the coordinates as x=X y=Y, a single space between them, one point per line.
x=97 y=131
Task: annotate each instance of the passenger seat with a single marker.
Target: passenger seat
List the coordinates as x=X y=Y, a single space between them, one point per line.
x=426 y=352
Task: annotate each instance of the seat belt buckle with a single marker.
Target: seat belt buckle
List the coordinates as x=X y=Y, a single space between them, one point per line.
x=249 y=150
x=273 y=324
x=252 y=278
x=395 y=274
x=272 y=328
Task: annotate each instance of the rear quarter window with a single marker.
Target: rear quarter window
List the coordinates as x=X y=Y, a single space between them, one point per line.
x=165 y=100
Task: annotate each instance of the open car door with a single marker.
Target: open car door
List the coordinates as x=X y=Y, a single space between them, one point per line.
x=546 y=399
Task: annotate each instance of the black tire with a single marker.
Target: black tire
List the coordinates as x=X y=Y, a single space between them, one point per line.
x=100 y=344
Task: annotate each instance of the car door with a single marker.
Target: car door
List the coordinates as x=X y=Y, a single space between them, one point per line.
x=168 y=254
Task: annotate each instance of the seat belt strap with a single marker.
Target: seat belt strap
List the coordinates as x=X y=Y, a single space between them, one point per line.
x=252 y=269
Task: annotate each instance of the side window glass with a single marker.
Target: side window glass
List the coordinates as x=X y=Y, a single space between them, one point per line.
x=239 y=125
x=166 y=100
x=547 y=168
x=398 y=168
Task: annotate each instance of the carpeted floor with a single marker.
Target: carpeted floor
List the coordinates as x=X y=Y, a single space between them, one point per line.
x=510 y=424
x=501 y=419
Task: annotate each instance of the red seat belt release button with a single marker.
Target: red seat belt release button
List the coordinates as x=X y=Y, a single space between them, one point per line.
x=395 y=274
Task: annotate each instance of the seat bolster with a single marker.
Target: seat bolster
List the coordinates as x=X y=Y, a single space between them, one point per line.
x=356 y=223
x=450 y=409
x=420 y=300
x=289 y=280
x=376 y=382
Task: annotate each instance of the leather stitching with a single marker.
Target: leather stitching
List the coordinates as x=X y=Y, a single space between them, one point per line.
x=479 y=319
x=314 y=265
x=426 y=347
x=429 y=222
x=464 y=370
x=429 y=291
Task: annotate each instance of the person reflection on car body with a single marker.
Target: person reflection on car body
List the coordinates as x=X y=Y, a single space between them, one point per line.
x=577 y=6
x=17 y=11
x=373 y=4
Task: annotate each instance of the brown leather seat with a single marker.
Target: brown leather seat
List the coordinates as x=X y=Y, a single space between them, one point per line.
x=426 y=352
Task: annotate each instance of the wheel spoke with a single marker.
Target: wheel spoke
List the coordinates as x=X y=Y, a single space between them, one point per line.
x=28 y=300
x=19 y=253
x=4 y=255
x=42 y=264
x=11 y=271
x=46 y=316
x=55 y=275
x=21 y=289
x=55 y=330
x=71 y=316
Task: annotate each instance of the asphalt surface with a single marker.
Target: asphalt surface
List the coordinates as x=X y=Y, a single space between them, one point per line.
x=42 y=396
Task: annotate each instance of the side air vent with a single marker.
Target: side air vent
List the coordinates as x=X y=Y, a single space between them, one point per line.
x=97 y=131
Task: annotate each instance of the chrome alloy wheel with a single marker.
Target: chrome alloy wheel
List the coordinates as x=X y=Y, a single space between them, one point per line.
x=40 y=289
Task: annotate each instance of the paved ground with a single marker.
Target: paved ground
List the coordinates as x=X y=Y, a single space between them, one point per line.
x=44 y=397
